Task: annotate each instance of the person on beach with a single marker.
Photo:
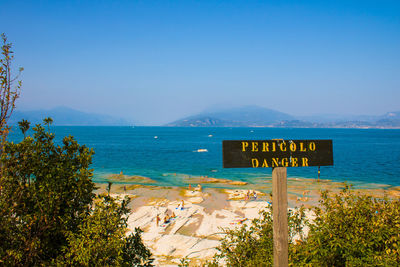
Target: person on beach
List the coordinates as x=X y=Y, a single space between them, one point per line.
x=248 y=195
x=181 y=205
x=190 y=187
x=199 y=187
x=166 y=219
x=255 y=195
x=173 y=215
x=157 y=220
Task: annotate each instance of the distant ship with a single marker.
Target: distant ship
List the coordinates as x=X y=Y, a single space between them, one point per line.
x=201 y=150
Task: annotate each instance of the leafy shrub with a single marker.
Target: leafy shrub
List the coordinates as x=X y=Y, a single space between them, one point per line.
x=48 y=212
x=101 y=239
x=253 y=245
x=349 y=229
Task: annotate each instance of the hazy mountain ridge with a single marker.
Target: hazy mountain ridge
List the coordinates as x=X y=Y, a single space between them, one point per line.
x=201 y=121
x=248 y=116
x=67 y=117
x=235 y=117
x=253 y=116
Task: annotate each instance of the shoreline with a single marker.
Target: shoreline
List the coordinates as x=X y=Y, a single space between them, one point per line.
x=183 y=179
x=299 y=189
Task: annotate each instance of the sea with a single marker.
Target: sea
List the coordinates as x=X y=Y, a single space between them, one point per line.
x=168 y=155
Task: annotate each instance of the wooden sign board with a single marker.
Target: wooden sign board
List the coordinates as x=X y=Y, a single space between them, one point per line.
x=276 y=153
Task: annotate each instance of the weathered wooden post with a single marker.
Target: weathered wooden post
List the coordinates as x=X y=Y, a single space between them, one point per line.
x=280 y=220
x=278 y=154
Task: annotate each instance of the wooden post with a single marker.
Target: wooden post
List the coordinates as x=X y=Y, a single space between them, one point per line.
x=280 y=223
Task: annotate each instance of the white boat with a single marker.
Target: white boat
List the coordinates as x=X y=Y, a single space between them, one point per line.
x=202 y=150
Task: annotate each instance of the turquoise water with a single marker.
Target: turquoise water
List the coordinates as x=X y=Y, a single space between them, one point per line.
x=360 y=155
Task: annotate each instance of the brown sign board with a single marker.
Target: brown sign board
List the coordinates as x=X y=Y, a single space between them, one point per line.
x=276 y=153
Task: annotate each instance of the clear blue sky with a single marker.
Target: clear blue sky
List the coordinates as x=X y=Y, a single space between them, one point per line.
x=157 y=61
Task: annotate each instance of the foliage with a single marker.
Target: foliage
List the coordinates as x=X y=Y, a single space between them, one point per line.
x=184 y=262
x=101 y=239
x=253 y=245
x=48 y=121
x=352 y=229
x=46 y=191
x=24 y=126
x=349 y=229
x=48 y=208
x=8 y=93
x=135 y=253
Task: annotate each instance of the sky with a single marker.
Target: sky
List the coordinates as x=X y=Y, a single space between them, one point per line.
x=157 y=61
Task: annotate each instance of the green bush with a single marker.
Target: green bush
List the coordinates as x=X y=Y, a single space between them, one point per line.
x=253 y=245
x=48 y=211
x=101 y=239
x=349 y=229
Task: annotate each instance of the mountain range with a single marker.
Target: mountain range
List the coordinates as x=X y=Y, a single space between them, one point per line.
x=246 y=116
x=254 y=116
x=68 y=117
x=235 y=117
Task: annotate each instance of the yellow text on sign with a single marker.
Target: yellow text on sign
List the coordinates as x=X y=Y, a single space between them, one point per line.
x=272 y=146
x=280 y=162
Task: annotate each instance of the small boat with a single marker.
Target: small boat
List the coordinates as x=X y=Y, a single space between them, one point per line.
x=210 y=135
x=202 y=150
x=155 y=137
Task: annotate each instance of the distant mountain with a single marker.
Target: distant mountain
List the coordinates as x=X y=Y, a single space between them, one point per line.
x=235 y=117
x=332 y=118
x=200 y=122
x=68 y=117
x=390 y=119
x=262 y=117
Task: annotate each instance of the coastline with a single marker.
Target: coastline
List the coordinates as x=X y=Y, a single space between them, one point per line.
x=300 y=189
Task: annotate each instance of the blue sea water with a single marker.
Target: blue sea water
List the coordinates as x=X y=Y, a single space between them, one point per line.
x=360 y=155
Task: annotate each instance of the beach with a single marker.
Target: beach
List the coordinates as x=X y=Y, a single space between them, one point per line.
x=197 y=215
x=196 y=219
